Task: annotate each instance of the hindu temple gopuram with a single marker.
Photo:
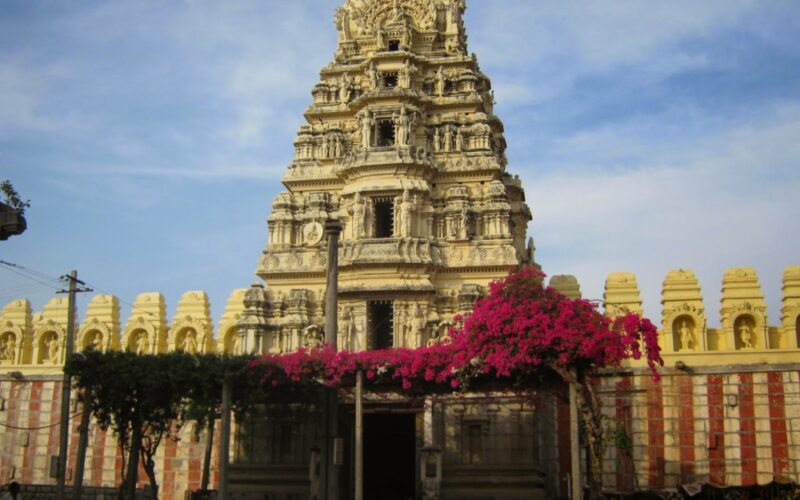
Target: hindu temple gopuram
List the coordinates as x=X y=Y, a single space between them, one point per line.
x=402 y=148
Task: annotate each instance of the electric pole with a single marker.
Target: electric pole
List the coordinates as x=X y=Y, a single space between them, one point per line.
x=66 y=388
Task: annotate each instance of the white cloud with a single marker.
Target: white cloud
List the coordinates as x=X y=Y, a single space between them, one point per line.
x=727 y=199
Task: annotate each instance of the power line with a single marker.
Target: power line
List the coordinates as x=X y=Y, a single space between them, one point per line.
x=33 y=272
x=40 y=277
x=16 y=270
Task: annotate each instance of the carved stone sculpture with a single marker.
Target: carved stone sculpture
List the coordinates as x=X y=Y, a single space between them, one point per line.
x=345 y=89
x=403 y=123
x=189 y=344
x=359 y=212
x=448 y=139
x=746 y=335
x=440 y=81
x=367 y=125
x=372 y=76
x=416 y=328
x=312 y=337
x=8 y=348
x=406 y=75
x=141 y=343
x=405 y=214
x=52 y=348
x=686 y=337
x=459 y=140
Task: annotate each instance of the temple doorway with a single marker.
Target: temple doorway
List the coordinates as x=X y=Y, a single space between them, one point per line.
x=389 y=456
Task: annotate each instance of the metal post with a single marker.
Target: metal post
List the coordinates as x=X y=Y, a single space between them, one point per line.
x=330 y=407
x=575 y=446
x=359 y=436
x=83 y=441
x=66 y=388
x=224 y=445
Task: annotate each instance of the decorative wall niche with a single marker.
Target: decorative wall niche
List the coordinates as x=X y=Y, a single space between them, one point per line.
x=93 y=339
x=684 y=334
x=49 y=348
x=8 y=348
x=137 y=341
x=797 y=329
x=744 y=332
x=187 y=341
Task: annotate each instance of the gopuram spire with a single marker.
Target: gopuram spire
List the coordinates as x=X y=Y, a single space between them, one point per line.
x=403 y=148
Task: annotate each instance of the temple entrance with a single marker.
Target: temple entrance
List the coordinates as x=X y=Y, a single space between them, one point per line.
x=389 y=456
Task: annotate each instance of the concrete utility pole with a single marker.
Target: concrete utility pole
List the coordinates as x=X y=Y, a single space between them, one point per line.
x=66 y=388
x=83 y=441
x=329 y=485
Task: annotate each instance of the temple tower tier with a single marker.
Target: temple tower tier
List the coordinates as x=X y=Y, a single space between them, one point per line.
x=403 y=148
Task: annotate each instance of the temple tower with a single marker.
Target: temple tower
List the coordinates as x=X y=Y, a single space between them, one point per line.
x=402 y=146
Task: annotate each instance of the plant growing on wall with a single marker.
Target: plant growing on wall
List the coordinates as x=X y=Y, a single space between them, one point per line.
x=519 y=333
x=12 y=198
x=523 y=327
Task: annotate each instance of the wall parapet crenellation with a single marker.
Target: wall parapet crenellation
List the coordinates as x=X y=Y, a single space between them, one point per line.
x=34 y=341
x=744 y=329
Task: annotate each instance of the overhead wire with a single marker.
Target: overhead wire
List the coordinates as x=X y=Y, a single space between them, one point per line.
x=42 y=279
x=16 y=270
x=33 y=272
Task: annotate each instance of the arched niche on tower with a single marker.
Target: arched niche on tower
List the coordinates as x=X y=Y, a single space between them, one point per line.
x=141 y=337
x=230 y=340
x=797 y=329
x=48 y=348
x=92 y=339
x=188 y=340
x=745 y=336
x=138 y=341
x=685 y=326
x=9 y=346
x=686 y=336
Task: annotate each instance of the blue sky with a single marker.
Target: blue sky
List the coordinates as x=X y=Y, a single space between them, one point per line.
x=151 y=136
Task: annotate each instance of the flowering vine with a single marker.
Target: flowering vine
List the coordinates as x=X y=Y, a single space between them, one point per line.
x=520 y=328
x=520 y=331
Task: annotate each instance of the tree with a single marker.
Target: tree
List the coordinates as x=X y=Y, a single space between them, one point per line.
x=12 y=220
x=12 y=198
x=145 y=399
x=523 y=329
x=204 y=397
x=140 y=398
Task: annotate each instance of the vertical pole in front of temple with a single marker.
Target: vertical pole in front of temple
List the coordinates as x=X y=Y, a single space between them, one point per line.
x=359 y=436
x=328 y=467
x=225 y=441
x=66 y=388
x=576 y=489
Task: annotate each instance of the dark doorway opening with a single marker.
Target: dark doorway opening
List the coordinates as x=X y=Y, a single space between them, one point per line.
x=384 y=218
x=394 y=45
x=381 y=328
x=385 y=133
x=389 y=456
